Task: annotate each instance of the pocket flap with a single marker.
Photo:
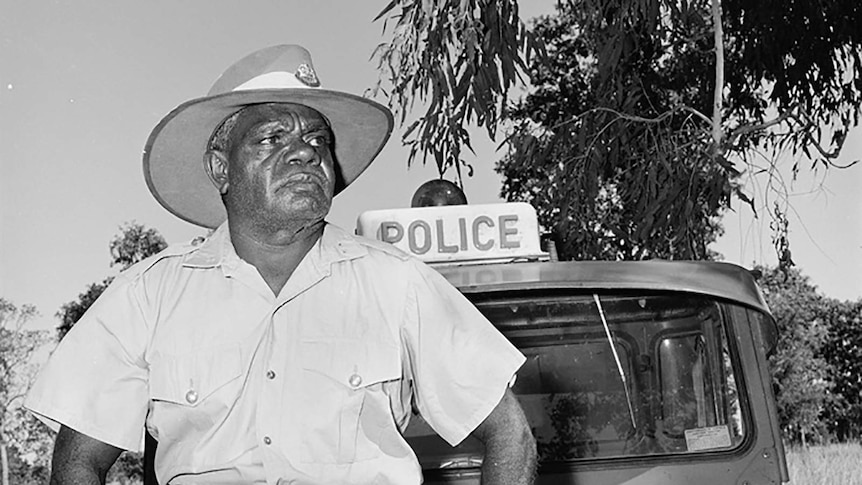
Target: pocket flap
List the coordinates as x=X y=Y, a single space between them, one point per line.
x=189 y=379
x=353 y=363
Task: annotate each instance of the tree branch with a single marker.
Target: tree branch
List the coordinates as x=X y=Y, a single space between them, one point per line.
x=635 y=118
x=804 y=124
x=742 y=130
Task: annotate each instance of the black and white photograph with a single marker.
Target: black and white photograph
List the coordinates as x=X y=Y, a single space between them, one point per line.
x=463 y=242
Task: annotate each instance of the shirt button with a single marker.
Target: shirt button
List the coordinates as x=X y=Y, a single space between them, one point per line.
x=355 y=380
x=191 y=396
x=270 y=374
x=266 y=440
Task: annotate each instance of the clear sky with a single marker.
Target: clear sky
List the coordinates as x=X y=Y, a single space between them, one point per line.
x=83 y=82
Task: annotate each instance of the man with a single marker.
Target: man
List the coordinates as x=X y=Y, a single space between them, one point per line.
x=282 y=349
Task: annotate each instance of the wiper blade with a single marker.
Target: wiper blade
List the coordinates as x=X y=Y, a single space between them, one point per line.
x=620 y=371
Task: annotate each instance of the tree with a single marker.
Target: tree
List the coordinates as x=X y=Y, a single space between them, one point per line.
x=29 y=457
x=462 y=56
x=637 y=122
x=72 y=311
x=801 y=377
x=640 y=112
x=611 y=146
x=17 y=346
x=134 y=243
x=843 y=352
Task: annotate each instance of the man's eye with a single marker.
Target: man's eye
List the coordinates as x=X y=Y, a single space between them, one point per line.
x=317 y=141
x=270 y=140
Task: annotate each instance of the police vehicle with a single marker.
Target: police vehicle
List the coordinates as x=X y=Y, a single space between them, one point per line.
x=645 y=373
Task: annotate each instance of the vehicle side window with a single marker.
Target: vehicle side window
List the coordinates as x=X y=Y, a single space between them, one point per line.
x=698 y=390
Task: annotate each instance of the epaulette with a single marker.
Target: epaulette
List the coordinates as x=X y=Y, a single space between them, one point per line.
x=172 y=251
x=382 y=246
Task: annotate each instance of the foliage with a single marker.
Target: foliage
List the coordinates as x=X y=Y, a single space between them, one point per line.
x=800 y=58
x=801 y=377
x=134 y=243
x=128 y=469
x=622 y=135
x=843 y=352
x=817 y=365
x=572 y=438
x=32 y=439
x=641 y=109
x=72 y=311
x=17 y=371
x=461 y=56
x=17 y=345
x=611 y=146
x=21 y=472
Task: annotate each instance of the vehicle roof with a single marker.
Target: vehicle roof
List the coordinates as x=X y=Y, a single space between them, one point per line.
x=722 y=280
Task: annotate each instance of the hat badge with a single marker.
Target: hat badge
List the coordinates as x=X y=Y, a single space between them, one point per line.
x=305 y=73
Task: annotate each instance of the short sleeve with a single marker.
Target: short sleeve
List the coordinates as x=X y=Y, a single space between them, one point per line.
x=95 y=382
x=461 y=364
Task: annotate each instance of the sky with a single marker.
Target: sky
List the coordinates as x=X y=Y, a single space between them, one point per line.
x=82 y=84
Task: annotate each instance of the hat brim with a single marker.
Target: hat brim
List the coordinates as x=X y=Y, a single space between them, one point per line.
x=174 y=153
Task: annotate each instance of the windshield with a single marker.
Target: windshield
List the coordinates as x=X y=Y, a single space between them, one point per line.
x=611 y=376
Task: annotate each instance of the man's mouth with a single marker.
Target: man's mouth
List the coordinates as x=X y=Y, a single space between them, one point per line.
x=302 y=178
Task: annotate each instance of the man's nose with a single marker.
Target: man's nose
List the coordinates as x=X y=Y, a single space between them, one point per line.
x=300 y=152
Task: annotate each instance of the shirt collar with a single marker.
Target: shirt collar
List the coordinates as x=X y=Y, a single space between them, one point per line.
x=333 y=246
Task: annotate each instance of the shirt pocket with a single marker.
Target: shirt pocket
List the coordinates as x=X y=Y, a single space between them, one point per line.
x=342 y=379
x=193 y=392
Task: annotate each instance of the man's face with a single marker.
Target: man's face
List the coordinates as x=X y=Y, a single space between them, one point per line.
x=280 y=164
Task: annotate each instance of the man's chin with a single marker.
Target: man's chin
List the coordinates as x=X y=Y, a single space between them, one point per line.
x=305 y=208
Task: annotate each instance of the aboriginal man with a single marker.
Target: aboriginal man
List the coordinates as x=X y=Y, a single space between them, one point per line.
x=280 y=350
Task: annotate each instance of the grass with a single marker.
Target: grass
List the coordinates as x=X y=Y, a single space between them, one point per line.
x=836 y=464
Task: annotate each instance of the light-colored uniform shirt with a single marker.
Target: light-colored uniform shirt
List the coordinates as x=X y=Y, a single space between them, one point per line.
x=312 y=386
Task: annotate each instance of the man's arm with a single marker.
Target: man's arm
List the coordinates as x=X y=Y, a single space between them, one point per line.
x=81 y=460
x=510 y=449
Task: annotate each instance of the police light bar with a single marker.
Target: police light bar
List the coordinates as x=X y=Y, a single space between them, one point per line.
x=458 y=232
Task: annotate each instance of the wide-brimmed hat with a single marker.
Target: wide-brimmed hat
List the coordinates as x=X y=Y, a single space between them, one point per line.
x=174 y=153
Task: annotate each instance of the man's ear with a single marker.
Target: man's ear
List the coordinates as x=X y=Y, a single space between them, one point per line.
x=216 y=165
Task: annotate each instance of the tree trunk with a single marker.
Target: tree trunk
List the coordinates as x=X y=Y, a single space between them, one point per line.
x=4 y=462
x=717 y=102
